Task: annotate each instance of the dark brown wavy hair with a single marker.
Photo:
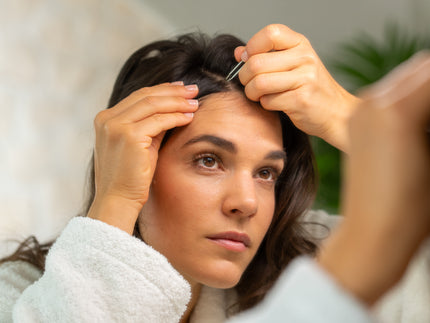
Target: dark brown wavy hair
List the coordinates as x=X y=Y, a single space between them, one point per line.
x=198 y=59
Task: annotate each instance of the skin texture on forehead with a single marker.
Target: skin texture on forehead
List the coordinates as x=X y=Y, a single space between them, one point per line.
x=234 y=103
x=189 y=202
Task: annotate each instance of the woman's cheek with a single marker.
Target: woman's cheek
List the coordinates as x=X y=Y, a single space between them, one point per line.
x=191 y=191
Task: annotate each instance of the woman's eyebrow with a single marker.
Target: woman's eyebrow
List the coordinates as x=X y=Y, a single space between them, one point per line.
x=217 y=141
x=277 y=154
x=231 y=147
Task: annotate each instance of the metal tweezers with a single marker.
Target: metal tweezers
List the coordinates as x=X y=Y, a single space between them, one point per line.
x=234 y=71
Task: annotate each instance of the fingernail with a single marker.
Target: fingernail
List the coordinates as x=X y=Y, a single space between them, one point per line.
x=189 y=114
x=244 y=56
x=191 y=87
x=193 y=102
x=177 y=83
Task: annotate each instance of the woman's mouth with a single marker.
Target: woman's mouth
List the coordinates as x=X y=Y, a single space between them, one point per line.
x=231 y=240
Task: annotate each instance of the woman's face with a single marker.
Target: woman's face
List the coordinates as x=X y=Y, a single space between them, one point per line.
x=213 y=194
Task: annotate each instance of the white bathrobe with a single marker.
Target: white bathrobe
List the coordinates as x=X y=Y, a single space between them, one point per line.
x=98 y=273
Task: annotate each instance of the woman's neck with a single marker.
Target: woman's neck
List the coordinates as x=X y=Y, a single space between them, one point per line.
x=195 y=293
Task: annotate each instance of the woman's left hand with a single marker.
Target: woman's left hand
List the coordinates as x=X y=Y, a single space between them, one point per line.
x=387 y=184
x=284 y=73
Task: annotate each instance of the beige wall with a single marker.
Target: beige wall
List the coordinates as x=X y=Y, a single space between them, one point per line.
x=58 y=61
x=324 y=22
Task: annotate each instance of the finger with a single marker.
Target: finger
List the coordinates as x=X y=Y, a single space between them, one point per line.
x=156 y=104
x=407 y=88
x=238 y=52
x=273 y=37
x=397 y=77
x=275 y=62
x=158 y=123
x=282 y=102
x=166 y=89
x=271 y=83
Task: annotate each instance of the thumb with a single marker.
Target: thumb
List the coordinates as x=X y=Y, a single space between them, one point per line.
x=238 y=53
x=158 y=140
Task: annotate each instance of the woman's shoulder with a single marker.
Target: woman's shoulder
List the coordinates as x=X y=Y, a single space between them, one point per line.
x=15 y=277
x=319 y=224
x=322 y=217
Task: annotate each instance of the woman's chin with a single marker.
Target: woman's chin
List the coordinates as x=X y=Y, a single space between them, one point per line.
x=222 y=279
x=215 y=273
x=221 y=283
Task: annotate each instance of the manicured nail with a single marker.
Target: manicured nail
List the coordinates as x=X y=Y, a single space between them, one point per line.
x=177 y=83
x=193 y=102
x=244 y=56
x=189 y=114
x=191 y=87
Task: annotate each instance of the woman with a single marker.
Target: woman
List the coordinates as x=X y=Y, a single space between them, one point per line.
x=223 y=207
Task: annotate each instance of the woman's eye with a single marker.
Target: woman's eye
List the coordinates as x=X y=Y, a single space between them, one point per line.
x=207 y=162
x=267 y=174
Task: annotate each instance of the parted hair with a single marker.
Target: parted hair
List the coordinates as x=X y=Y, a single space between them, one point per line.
x=199 y=59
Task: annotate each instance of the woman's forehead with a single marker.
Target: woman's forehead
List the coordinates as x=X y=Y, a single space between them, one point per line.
x=233 y=116
x=226 y=100
x=232 y=101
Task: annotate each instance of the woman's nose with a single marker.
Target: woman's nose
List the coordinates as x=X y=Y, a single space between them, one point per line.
x=240 y=196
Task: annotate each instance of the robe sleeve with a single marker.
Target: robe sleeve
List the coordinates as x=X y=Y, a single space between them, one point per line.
x=98 y=273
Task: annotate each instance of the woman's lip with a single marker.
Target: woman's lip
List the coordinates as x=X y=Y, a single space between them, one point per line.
x=232 y=240
x=232 y=245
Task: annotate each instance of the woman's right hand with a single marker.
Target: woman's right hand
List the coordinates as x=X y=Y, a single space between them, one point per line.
x=128 y=137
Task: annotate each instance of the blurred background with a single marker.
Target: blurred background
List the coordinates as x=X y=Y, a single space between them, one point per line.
x=59 y=59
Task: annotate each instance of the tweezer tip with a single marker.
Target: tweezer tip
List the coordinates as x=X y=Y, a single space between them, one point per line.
x=234 y=71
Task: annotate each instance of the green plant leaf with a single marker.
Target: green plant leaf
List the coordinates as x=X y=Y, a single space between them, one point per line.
x=361 y=61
